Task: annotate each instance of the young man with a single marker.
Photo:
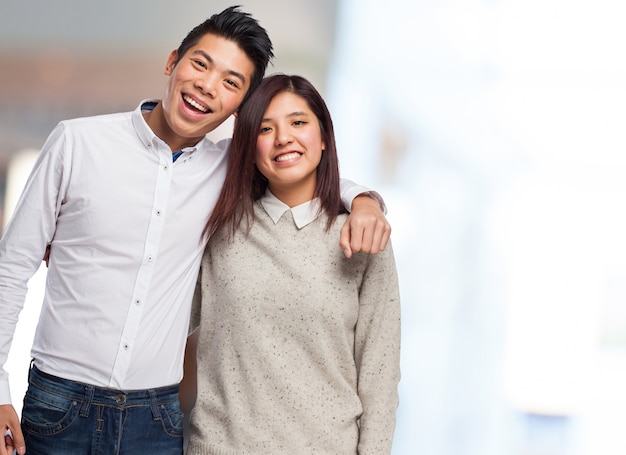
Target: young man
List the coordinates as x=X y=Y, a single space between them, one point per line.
x=122 y=200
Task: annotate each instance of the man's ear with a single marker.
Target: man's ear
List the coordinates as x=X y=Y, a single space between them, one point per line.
x=171 y=63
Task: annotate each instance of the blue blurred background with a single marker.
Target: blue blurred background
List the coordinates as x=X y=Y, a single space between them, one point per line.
x=494 y=129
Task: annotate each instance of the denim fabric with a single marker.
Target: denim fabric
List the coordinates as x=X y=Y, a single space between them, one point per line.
x=62 y=417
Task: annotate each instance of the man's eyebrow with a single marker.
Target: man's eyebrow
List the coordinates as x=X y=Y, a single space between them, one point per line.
x=210 y=60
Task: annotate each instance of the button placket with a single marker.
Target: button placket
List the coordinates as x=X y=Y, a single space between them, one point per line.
x=131 y=333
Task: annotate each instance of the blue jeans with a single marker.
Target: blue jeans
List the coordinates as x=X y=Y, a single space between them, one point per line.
x=62 y=417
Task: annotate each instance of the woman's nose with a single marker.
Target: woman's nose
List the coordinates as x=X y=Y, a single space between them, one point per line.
x=283 y=137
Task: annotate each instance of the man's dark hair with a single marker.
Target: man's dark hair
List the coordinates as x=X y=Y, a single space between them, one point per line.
x=240 y=28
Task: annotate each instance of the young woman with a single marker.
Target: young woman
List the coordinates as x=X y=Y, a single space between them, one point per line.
x=298 y=347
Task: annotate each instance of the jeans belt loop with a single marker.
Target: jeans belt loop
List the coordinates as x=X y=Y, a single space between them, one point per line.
x=84 y=409
x=154 y=404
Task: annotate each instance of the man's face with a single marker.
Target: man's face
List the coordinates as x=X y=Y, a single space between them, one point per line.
x=206 y=86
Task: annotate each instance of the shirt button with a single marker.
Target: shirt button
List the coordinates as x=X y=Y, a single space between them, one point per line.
x=137 y=302
x=158 y=212
x=149 y=258
x=126 y=346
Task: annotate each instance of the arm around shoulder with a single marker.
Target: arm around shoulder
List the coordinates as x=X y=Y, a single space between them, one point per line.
x=366 y=228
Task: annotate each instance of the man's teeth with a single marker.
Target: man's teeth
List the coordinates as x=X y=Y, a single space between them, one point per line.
x=287 y=157
x=195 y=104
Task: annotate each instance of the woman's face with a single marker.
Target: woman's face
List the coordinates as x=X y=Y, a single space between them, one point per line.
x=289 y=148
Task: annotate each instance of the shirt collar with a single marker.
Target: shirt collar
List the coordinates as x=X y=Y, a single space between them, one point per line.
x=303 y=214
x=147 y=136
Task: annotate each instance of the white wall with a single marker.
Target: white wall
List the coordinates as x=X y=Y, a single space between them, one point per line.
x=494 y=129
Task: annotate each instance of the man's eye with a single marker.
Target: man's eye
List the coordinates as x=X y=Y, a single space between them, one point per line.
x=232 y=83
x=200 y=63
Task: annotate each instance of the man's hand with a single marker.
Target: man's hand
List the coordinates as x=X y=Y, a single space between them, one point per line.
x=13 y=440
x=366 y=229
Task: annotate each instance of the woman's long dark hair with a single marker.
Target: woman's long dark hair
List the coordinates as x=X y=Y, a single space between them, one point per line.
x=244 y=183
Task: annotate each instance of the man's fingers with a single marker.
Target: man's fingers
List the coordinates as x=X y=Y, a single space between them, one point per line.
x=362 y=238
x=344 y=241
x=18 y=441
x=8 y=447
x=13 y=441
x=380 y=239
x=385 y=238
x=372 y=238
x=13 y=437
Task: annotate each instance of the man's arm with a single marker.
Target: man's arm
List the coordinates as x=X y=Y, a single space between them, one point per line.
x=25 y=239
x=366 y=229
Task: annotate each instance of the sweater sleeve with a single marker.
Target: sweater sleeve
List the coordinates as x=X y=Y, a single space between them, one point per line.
x=377 y=353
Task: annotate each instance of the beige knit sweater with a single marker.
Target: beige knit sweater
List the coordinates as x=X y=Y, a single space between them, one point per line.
x=299 y=347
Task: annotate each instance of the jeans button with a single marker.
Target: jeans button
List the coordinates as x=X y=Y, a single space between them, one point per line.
x=120 y=399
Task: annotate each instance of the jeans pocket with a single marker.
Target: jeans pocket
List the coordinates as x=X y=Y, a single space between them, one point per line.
x=172 y=418
x=47 y=413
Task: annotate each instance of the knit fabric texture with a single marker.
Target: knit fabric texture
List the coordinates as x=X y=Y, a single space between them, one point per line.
x=299 y=346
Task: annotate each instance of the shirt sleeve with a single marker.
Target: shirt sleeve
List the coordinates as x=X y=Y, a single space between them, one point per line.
x=377 y=353
x=350 y=190
x=24 y=241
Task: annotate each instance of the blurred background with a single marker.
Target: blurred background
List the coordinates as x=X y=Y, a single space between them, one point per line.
x=494 y=129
